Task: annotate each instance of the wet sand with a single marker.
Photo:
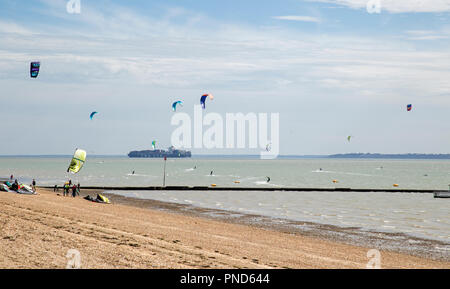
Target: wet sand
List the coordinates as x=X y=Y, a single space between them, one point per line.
x=37 y=232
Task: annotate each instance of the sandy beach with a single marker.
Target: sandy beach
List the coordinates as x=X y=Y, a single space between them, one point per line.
x=37 y=232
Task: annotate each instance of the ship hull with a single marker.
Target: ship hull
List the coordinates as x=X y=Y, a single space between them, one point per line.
x=160 y=154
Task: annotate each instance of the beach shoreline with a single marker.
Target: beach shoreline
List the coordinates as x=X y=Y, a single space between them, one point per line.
x=37 y=231
x=392 y=241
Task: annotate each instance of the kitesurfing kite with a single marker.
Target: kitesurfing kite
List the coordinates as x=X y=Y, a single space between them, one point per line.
x=409 y=107
x=154 y=144
x=174 y=105
x=203 y=99
x=92 y=115
x=34 y=69
x=268 y=147
x=78 y=160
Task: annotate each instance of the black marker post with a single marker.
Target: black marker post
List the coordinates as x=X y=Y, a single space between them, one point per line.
x=164 y=178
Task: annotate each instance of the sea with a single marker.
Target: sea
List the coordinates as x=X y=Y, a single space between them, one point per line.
x=416 y=214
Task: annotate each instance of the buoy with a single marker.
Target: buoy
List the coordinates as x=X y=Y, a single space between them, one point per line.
x=395 y=185
x=213 y=185
x=335 y=181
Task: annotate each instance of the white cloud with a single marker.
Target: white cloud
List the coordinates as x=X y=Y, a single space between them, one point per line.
x=426 y=35
x=13 y=28
x=120 y=60
x=180 y=56
x=396 y=6
x=298 y=18
x=243 y=58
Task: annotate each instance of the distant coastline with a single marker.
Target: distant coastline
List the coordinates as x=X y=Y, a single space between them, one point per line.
x=391 y=156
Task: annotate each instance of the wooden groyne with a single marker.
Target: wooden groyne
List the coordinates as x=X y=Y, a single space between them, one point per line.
x=218 y=188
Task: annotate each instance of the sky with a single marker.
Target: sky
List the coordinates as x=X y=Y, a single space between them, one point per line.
x=329 y=68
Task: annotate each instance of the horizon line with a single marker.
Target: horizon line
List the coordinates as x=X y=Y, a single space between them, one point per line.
x=232 y=155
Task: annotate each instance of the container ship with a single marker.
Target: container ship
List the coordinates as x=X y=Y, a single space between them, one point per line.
x=170 y=153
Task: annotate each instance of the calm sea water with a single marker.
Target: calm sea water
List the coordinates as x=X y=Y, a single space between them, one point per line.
x=416 y=214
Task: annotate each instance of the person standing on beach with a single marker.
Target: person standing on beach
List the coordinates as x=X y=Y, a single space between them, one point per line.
x=11 y=177
x=33 y=185
x=74 y=191
x=66 y=189
x=78 y=189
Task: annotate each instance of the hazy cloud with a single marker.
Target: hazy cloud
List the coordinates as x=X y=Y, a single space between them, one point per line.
x=396 y=6
x=298 y=18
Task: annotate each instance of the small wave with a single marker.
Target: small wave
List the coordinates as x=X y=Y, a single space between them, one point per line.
x=265 y=183
x=321 y=171
x=342 y=173
x=443 y=248
x=139 y=175
x=249 y=179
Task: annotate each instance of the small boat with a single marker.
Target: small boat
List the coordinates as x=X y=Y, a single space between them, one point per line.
x=442 y=194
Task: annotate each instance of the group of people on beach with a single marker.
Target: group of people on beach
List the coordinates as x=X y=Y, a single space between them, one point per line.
x=16 y=186
x=67 y=187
